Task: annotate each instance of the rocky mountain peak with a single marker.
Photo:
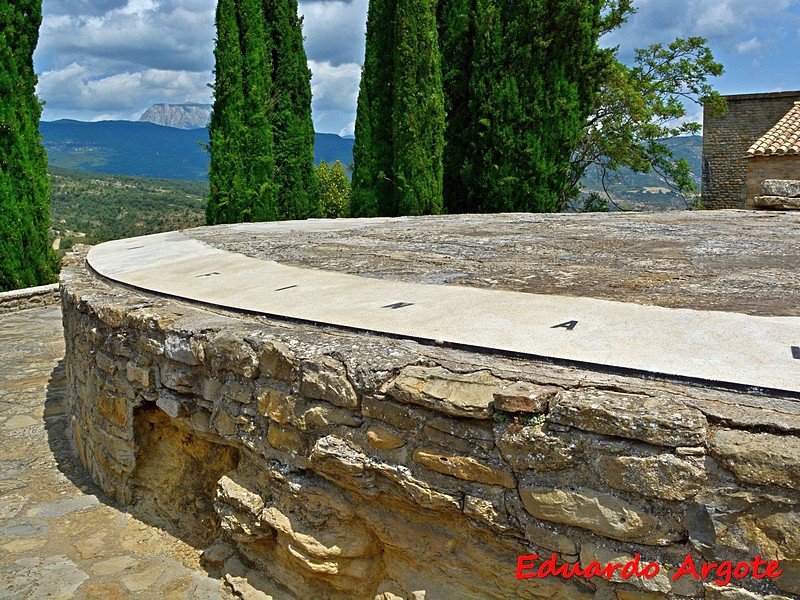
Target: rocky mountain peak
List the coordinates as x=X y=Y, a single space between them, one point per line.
x=182 y=116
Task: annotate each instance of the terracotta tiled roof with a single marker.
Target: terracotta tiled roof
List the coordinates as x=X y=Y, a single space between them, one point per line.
x=782 y=139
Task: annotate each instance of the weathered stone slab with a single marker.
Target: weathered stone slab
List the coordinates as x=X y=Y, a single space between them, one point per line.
x=663 y=421
x=383 y=438
x=459 y=395
x=465 y=468
x=603 y=514
x=776 y=202
x=758 y=458
x=535 y=448
x=524 y=397
x=789 y=188
x=326 y=379
x=664 y=476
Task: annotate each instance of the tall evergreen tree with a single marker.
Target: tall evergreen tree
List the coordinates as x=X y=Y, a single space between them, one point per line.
x=372 y=191
x=530 y=83
x=261 y=133
x=295 y=175
x=400 y=120
x=228 y=200
x=417 y=111
x=26 y=256
x=456 y=37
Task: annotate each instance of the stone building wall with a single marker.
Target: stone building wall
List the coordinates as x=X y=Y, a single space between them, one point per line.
x=727 y=138
x=345 y=466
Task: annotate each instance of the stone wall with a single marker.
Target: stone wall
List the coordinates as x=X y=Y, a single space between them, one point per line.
x=44 y=295
x=726 y=140
x=336 y=465
x=761 y=168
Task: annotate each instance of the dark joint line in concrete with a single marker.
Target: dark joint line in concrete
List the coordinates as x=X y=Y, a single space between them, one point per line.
x=208 y=274
x=288 y=287
x=397 y=305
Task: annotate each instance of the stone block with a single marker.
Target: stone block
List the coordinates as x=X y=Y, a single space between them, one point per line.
x=114 y=408
x=604 y=514
x=606 y=555
x=383 y=438
x=178 y=348
x=524 y=397
x=464 y=467
x=789 y=188
x=177 y=377
x=170 y=404
x=758 y=458
x=286 y=438
x=398 y=415
x=326 y=379
x=735 y=525
x=468 y=395
x=664 y=476
x=662 y=421
x=138 y=374
x=228 y=351
x=776 y=202
x=277 y=361
x=536 y=448
x=476 y=432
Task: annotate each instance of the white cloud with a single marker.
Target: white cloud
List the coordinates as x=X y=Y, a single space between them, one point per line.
x=751 y=45
x=334 y=30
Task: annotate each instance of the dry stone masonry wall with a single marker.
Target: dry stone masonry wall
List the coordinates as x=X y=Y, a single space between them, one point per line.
x=345 y=466
x=44 y=295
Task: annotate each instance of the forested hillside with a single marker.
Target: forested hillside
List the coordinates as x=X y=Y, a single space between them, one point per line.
x=91 y=208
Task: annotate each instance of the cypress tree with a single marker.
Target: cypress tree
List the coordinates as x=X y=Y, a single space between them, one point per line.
x=261 y=133
x=533 y=72
x=26 y=256
x=262 y=187
x=400 y=119
x=295 y=176
x=372 y=191
x=227 y=201
x=456 y=35
x=417 y=110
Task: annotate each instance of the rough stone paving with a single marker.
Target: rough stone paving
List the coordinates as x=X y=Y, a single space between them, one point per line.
x=341 y=465
x=60 y=536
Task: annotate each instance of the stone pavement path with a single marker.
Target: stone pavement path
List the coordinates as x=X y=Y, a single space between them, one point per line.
x=60 y=538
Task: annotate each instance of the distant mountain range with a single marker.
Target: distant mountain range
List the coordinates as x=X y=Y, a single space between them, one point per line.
x=145 y=149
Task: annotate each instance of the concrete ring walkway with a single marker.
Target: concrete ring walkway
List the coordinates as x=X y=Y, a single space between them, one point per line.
x=706 y=347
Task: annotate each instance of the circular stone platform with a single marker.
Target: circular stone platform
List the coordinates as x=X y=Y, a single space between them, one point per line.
x=402 y=408
x=570 y=288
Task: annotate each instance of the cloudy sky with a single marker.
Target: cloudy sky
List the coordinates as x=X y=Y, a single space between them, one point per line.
x=111 y=59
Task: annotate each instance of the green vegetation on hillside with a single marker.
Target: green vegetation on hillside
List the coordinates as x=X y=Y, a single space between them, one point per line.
x=26 y=258
x=90 y=208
